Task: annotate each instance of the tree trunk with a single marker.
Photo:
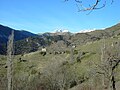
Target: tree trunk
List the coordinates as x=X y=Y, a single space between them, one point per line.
x=113 y=83
x=102 y=57
x=9 y=60
x=71 y=55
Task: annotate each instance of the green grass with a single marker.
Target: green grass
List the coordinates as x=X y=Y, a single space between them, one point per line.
x=35 y=62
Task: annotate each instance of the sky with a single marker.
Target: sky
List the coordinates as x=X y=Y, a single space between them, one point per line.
x=39 y=16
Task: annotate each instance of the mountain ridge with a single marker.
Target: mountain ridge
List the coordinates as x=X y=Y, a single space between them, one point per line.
x=33 y=42
x=5 y=31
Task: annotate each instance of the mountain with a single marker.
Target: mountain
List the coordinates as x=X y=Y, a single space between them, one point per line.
x=82 y=38
x=61 y=40
x=80 y=68
x=26 y=42
x=19 y=35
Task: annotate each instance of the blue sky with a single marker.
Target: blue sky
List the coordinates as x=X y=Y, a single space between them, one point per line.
x=40 y=16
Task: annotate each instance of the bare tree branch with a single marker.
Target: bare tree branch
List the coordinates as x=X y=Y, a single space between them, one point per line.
x=95 y=6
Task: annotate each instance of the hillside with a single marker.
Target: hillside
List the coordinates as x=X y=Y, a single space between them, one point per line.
x=81 y=38
x=63 y=67
x=18 y=35
x=6 y=31
x=51 y=40
x=52 y=69
x=27 y=42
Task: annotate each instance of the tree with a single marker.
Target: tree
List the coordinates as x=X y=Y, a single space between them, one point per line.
x=110 y=60
x=94 y=5
x=58 y=75
x=10 y=53
x=71 y=54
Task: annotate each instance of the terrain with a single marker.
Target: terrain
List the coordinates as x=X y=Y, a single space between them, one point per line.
x=62 y=67
x=6 y=31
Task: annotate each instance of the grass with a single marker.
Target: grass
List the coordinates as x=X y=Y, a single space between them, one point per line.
x=35 y=62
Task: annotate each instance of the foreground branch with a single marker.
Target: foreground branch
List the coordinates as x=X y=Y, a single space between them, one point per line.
x=96 y=5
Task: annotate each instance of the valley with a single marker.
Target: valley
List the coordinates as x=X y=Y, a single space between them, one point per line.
x=71 y=61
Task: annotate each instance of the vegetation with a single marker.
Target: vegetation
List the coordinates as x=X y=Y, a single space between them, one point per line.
x=92 y=65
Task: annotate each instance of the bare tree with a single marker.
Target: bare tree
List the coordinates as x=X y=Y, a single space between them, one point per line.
x=71 y=54
x=94 y=5
x=102 y=59
x=110 y=60
x=58 y=75
x=9 y=60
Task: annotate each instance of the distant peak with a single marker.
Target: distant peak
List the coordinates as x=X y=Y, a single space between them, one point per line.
x=61 y=30
x=86 y=30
